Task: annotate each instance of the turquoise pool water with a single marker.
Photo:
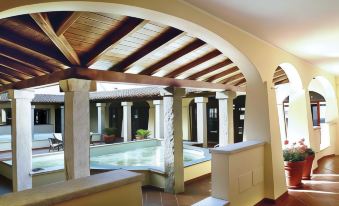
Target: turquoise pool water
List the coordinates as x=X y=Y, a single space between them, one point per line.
x=152 y=156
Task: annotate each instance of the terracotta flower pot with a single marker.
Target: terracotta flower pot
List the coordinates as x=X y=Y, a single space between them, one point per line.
x=293 y=173
x=138 y=137
x=108 y=138
x=308 y=167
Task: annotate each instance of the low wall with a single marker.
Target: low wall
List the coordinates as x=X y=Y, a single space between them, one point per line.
x=117 y=187
x=238 y=173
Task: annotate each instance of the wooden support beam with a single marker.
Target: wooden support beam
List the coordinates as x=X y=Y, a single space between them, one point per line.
x=59 y=41
x=4 y=82
x=210 y=69
x=280 y=78
x=158 y=41
x=67 y=22
x=231 y=79
x=222 y=74
x=8 y=78
x=196 y=62
x=283 y=81
x=19 y=40
x=17 y=74
x=27 y=59
x=279 y=73
x=8 y=62
x=240 y=82
x=128 y=26
x=172 y=57
x=111 y=76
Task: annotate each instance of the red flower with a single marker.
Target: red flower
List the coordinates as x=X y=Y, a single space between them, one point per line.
x=286 y=142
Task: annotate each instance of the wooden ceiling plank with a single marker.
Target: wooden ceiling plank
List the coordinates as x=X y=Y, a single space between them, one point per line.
x=279 y=73
x=4 y=82
x=240 y=82
x=19 y=40
x=232 y=79
x=282 y=81
x=277 y=79
x=19 y=66
x=155 y=43
x=59 y=41
x=67 y=22
x=27 y=59
x=222 y=74
x=8 y=78
x=172 y=57
x=196 y=62
x=127 y=26
x=210 y=69
x=14 y=73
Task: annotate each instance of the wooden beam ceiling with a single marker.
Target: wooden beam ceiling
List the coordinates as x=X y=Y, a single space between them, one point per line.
x=66 y=23
x=117 y=34
x=222 y=74
x=17 y=74
x=27 y=59
x=19 y=40
x=21 y=67
x=196 y=62
x=232 y=79
x=240 y=82
x=210 y=69
x=158 y=41
x=172 y=57
x=8 y=78
x=59 y=41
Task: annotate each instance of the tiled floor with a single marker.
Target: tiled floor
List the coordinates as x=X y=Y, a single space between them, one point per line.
x=322 y=190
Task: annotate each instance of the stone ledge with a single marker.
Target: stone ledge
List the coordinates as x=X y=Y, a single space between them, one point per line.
x=59 y=192
x=209 y=201
x=237 y=147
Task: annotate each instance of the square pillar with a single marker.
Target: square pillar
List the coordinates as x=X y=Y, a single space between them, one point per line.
x=21 y=138
x=151 y=119
x=32 y=120
x=173 y=143
x=159 y=119
x=127 y=121
x=77 y=126
x=201 y=120
x=101 y=117
x=62 y=114
x=226 y=131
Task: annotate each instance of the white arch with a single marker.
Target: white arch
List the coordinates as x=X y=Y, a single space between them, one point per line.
x=292 y=75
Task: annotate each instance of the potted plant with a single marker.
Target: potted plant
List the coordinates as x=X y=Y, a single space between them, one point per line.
x=109 y=135
x=142 y=134
x=294 y=160
x=310 y=155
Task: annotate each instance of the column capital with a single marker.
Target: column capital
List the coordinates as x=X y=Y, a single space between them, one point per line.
x=21 y=94
x=157 y=102
x=225 y=95
x=171 y=91
x=77 y=85
x=126 y=104
x=200 y=99
x=101 y=104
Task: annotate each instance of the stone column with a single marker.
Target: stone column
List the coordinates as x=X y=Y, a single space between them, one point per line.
x=173 y=145
x=101 y=117
x=201 y=120
x=223 y=118
x=62 y=114
x=159 y=119
x=21 y=138
x=151 y=119
x=77 y=126
x=127 y=121
x=32 y=120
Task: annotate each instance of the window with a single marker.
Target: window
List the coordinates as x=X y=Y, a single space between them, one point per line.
x=213 y=113
x=41 y=116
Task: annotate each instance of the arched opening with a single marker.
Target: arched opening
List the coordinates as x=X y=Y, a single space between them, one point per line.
x=115 y=116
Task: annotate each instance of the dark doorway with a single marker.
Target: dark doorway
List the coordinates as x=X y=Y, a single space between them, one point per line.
x=239 y=117
x=140 y=112
x=115 y=116
x=58 y=120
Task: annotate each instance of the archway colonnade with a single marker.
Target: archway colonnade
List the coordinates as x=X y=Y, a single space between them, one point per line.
x=256 y=59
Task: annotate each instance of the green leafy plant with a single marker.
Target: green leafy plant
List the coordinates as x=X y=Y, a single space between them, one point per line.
x=143 y=133
x=110 y=131
x=296 y=152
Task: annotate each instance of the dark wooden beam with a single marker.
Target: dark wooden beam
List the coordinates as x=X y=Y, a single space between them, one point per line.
x=279 y=73
x=4 y=82
x=196 y=62
x=280 y=78
x=20 y=67
x=59 y=41
x=222 y=74
x=67 y=22
x=127 y=26
x=231 y=79
x=172 y=57
x=27 y=59
x=15 y=73
x=8 y=78
x=210 y=69
x=240 y=82
x=282 y=82
x=158 y=41
x=19 y=40
x=118 y=77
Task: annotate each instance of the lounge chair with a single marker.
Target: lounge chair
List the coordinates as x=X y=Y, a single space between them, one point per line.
x=54 y=144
